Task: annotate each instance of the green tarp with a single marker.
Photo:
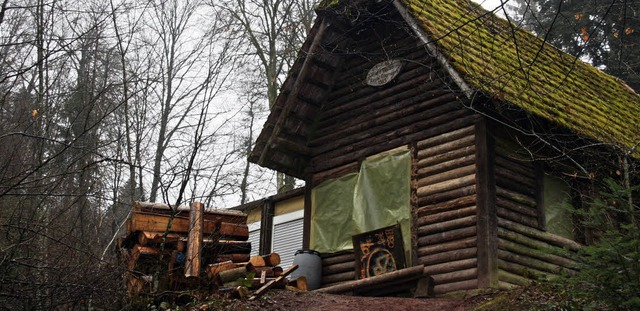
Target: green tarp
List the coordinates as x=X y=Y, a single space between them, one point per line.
x=557 y=207
x=375 y=197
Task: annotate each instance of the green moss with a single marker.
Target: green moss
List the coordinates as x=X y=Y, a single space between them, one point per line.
x=504 y=61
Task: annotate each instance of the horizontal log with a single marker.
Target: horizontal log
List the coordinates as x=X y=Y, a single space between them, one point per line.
x=516 y=197
x=445 y=137
x=216 y=268
x=446 y=185
x=443 y=107
x=236 y=258
x=140 y=221
x=443 y=148
x=237 y=231
x=446 y=175
x=397 y=138
x=451 y=266
x=502 y=285
x=228 y=247
x=447 y=195
x=353 y=167
x=448 y=246
x=448 y=256
x=334 y=258
x=456 y=234
x=529 y=261
x=514 y=206
x=520 y=270
x=455 y=276
x=403 y=274
x=268 y=260
x=447 y=215
x=454 y=163
x=445 y=157
x=517 y=217
x=539 y=235
x=535 y=253
x=513 y=278
x=526 y=183
x=339 y=277
x=525 y=241
x=448 y=225
x=514 y=165
x=339 y=268
x=446 y=206
x=455 y=286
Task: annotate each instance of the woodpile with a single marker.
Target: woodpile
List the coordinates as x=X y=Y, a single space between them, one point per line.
x=174 y=245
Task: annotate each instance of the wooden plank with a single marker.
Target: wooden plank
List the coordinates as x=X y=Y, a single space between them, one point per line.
x=264 y=288
x=486 y=207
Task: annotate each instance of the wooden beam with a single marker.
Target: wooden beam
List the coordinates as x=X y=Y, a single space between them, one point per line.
x=266 y=227
x=306 y=224
x=194 y=244
x=486 y=207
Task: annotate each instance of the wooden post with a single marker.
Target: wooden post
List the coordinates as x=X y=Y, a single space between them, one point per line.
x=266 y=227
x=306 y=225
x=542 y=220
x=487 y=223
x=194 y=244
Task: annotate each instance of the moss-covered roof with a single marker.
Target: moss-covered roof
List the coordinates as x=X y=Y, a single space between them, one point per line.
x=513 y=65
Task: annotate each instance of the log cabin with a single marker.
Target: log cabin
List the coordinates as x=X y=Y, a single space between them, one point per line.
x=437 y=115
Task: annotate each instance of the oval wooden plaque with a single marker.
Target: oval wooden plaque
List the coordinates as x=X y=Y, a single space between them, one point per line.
x=382 y=73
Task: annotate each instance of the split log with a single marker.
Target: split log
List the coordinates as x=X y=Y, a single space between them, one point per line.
x=448 y=225
x=272 y=259
x=447 y=246
x=451 y=266
x=300 y=283
x=403 y=274
x=264 y=288
x=448 y=256
x=193 y=260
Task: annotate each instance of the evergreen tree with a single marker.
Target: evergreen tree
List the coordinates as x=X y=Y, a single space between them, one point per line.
x=604 y=33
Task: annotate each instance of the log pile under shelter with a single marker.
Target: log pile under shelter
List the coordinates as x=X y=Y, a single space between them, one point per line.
x=168 y=248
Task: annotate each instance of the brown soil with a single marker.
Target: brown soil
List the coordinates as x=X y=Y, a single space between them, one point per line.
x=287 y=300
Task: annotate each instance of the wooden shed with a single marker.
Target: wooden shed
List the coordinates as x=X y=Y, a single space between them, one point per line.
x=440 y=116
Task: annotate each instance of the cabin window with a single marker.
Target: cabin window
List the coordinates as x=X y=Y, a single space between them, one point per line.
x=557 y=207
x=375 y=197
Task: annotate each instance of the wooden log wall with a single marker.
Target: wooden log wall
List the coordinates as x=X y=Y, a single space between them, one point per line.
x=358 y=120
x=525 y=250
x=447 y=220
x=338 y=268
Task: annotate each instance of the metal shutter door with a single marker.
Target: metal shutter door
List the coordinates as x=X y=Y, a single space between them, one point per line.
x=254 y=238
x=287 y=239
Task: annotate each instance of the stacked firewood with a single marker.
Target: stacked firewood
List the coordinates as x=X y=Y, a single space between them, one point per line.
x=166 y=248
x=261 y=272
